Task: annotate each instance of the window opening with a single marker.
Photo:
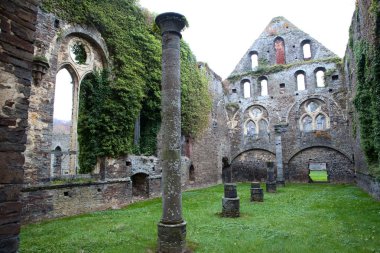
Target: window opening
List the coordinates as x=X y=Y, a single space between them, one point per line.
x=306 y=51
x=78 y=53
x=300 y=82
x=264 y=87
x=280 y=51
x=254 y=59
x=318 y=172
x=320 y=75
x=247 y=89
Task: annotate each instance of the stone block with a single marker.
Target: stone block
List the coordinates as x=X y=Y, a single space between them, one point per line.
x=11 y=170
x=271 y=187
x=257 y=194
x=230 y=190
x=231 y=207
x=8 y=230
x=10 y=192
x=172 y=238
x=255 y=185
x=10 y=212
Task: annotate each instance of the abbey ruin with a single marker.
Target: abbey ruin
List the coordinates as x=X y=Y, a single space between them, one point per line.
x=289 y=100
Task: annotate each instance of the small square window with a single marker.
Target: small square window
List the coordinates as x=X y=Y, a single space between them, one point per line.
x=282 y=85
x=234 y=91
x=335 y=77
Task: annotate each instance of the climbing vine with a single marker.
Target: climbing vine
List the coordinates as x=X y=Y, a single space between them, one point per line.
x=131 y=89
x=366 y=101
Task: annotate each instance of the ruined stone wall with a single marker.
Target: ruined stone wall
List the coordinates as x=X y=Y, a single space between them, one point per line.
x=54 y=201
x=53 y=40
x=17 y=34
x=253 y=114
x=364 y=27
x=207 y=150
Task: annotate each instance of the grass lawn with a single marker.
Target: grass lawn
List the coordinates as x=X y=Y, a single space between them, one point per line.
x=298 y=218
x=318 y=175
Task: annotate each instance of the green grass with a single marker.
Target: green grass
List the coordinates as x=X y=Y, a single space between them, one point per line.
x=298 y=218
x=318 y=175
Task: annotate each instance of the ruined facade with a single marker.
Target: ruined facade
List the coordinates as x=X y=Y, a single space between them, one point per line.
x=287 y=98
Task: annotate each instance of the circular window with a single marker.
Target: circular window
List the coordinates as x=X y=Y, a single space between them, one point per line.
x=256 y=113
x=78 y=53
x=312 y=107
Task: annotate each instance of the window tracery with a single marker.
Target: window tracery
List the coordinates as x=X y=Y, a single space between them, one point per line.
x=314 y=117
x=256 y=123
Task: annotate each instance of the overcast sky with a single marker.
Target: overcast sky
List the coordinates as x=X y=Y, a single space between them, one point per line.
x=221 y=31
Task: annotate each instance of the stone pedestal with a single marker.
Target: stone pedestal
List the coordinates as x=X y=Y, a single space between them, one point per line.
x=281 y=183
x=172 y=238
x=230 y=202
x=271 y=187
x=257 y=193
x=172 y=227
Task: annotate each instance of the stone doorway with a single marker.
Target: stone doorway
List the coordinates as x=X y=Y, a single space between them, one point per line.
x=140 y=185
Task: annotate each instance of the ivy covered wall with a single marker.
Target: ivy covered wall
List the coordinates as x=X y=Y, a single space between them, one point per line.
x=363 y=66
x=111 y=100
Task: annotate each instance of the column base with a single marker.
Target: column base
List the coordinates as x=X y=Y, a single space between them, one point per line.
x=257 y=195
x=281 y=183
x=231 y=207
x=271 y=187
x=172 y=238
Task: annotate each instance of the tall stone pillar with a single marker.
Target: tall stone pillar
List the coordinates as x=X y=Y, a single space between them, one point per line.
x=172 y=227
x=279 y=129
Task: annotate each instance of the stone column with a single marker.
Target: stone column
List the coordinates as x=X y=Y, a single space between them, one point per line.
x=279 y=129
x=271 y=180
x=172 y=227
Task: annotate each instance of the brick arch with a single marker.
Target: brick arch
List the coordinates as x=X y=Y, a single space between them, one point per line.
x=338 y=163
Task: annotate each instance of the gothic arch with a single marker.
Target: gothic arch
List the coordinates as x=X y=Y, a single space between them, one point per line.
x=295 y=153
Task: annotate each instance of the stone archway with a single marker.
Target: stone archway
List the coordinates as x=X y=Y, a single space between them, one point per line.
x=251 y=165
x=140 y=185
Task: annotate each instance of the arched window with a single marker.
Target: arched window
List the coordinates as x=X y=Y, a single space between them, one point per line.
x=301 y=81
x=279 y=47
x=263 y=127
x=247 y=89
x=62 y=134
x=320 y=122
x=306 y=51
x=256 y=123
x=254 y=60
x=307 y=123
x=313 y=117
x=250 y=128
x=264 y=87
x=320 y=76
x=63 y=97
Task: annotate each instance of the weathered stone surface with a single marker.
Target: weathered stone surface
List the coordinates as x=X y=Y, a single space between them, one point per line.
x=231 y=207
x=257 y=194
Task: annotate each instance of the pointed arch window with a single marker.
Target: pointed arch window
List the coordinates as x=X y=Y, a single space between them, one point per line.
x=314 y=118
x=256 y=124
x=250 y=128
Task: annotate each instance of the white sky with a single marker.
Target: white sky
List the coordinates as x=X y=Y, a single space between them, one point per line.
x=63 y=97
x=221 y=31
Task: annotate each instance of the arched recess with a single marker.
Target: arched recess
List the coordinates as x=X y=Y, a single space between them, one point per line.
x=57 y=162
x=250 y=165
x=279 y=47
x=140 y=185
x=339 y=165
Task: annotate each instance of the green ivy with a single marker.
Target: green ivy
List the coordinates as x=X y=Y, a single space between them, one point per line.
x=132 y=87
x=367 y=102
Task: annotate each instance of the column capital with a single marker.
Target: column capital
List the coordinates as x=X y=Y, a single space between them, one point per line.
x=171 y=22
